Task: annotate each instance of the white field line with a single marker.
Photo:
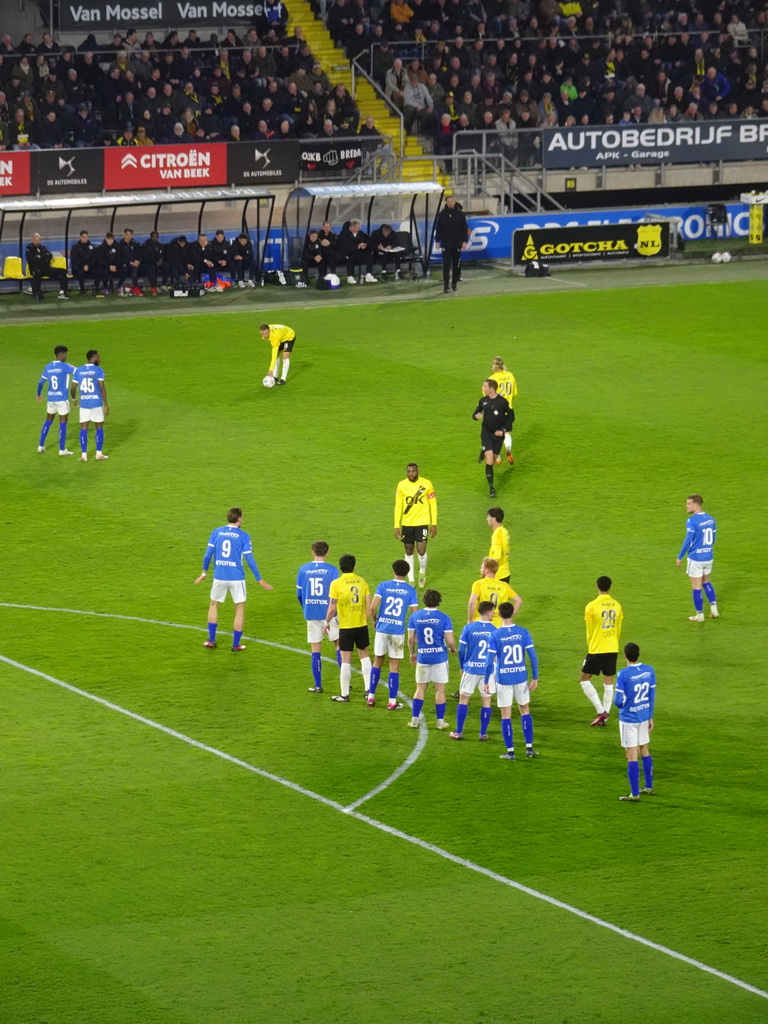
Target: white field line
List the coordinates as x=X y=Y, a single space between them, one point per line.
x=389 y=830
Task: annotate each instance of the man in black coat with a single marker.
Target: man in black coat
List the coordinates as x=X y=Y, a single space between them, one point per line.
x=316 y=256
x=242 y=261
x=82 y=257
x=177 y=259
x=153 y=260
x=39 y=266
x=107 y=262
x=129 y=257
x=222 y=255
x=355 y=249
x=452 y=232
x=201 y=259
x=497 y=418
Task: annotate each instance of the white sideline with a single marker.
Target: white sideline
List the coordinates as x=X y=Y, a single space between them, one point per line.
x=389 y=830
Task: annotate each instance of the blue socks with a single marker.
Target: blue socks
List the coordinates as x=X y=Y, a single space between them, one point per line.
x=84 y=440
x=394 y=686
x=633 y=772
x=338 y=658
x=212 y=627
x=698 y=600
x=709 y=590
x=506 y=733
x=417 y=706
x=62 y=436
x=237 y=636
x=648 y=771
x=440 y=711
x=461 y=717
x=44 y=432
x=526 y=721
x=374 y=681
x=99 y=438
x=485 y=720
x=316 y=669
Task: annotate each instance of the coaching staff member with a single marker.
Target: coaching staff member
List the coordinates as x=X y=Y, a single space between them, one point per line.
x=82 y=256
x=452 y=232
x=493 y=409
x=39 y=266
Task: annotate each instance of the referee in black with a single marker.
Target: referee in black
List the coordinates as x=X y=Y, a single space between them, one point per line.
x=452 y=232
x=497 y=417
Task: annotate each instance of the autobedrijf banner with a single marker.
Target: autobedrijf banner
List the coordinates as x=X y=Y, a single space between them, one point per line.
x=679 y=143
x=102 y=14
x=605 y=243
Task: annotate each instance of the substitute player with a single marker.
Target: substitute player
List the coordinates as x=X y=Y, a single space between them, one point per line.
x=635 y=699
x=228 y=547
x=392 y=603
x=499 y=541
x=506 y=385
x=56 y=375
x=493 y=409
x=350 y=600
x=473 y=653
x=415 y=518
x=603 y=618
x=507 y=650
x=93 y=402
x=282 y=340
x=312 y=585
x=430 y=637
x=700 y=536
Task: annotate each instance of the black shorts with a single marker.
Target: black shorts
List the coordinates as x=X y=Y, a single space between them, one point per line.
x=414 y=534
x=600 y=664
x=286 y=346
x=358 y=637
x=490 y=442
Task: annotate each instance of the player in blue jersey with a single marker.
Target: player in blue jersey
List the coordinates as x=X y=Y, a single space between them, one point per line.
x=93 y=402
x=698 y=545
x=56 y=375
x=473 y=654
x=228 y=547
x=430 y=637
x=392 y=603
x=312 y=585
x=506 y=656
x=635 y=698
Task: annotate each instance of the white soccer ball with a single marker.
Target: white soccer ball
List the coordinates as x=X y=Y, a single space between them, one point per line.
x=333 y=280
x=268 y=382
x=727 y=257
x=717 y=257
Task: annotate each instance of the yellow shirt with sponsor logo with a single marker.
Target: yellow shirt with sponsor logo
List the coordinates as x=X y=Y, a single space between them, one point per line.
x=506 y=385
x=495 y=591
x=500 y=551
x=349 y=592
x=278 y=333
x=415 y=503
x=603 y=617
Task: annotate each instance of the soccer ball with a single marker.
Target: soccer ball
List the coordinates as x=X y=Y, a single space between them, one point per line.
x=333 y=280
x=727 y=257
x=717 y=257
x=268 y=382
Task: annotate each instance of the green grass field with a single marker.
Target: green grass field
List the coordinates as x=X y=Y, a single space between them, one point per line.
x=149 y=880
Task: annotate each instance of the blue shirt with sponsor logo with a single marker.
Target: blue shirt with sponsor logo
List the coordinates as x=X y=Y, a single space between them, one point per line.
x=397 y=600
x=430 y=626
x=88 y=377
x=227 y=548
x=56 y=375
x=507 y=649
x=635 y=693
x=473 y=646
x=700 y=536
x=312 y=585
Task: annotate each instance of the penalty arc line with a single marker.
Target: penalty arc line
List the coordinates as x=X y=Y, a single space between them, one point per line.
x=396 y=833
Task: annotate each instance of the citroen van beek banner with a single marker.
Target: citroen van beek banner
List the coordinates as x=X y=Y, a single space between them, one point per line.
x=606 y=244
x=159 y=167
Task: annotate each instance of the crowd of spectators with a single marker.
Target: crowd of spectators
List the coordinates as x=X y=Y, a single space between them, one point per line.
x=256 y=86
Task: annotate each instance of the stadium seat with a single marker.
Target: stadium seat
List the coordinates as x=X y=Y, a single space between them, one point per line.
x=60 y=263
x=13 y=270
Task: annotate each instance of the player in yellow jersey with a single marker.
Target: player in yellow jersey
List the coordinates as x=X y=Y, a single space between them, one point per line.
x=499 y=541
x=489 y=588
x=506 y=385
x=603 y=618
x=350 y=601
x=415 y=518
x=282 y=339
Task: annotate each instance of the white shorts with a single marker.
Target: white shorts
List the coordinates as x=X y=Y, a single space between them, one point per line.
x=62 y=408
x=634 y=734
x=389 y=644
x=697 y=569
x=469 y=682
x=316 y=630
x=506 y=695
x=220 y=589
x=94 y=414
x=432 y=673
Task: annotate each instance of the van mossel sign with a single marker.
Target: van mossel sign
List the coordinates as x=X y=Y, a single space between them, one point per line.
x=680 y=143
x=176 y=13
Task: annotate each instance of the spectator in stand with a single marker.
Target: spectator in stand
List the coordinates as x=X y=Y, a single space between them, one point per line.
x=49 y=133
x=506 y=129
x=400 y=16
x=142 y=138
x=395 y=82
x=444 y=136
x=127 y=137
x=417 y=105
x=369 y=129
x=348 y=113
